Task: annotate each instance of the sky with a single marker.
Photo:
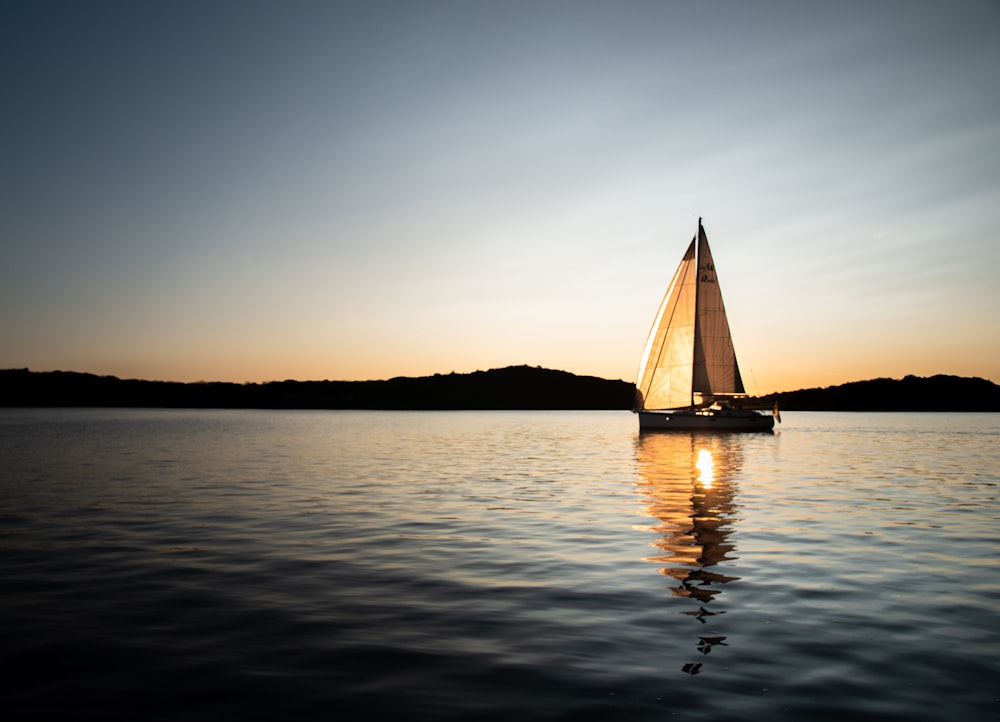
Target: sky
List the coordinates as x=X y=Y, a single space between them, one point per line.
x=251 y=191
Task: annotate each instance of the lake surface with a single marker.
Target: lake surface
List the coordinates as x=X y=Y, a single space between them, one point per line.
x=202 y=565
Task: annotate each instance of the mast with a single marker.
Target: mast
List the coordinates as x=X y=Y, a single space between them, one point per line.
x=697 y=294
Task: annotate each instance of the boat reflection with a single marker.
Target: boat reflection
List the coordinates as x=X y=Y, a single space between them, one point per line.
x=688 y=484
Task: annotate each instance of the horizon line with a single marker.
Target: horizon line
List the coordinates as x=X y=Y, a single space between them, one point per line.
x=455 y=373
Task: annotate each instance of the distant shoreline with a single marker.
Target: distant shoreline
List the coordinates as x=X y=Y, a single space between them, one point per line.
x=509 y=388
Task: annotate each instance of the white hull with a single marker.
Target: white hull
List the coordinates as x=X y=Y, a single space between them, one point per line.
x=705 y=420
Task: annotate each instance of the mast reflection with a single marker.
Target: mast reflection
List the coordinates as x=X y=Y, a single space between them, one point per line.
x=687 y=481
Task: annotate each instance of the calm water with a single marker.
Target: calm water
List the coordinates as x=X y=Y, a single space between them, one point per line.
x=497 y=565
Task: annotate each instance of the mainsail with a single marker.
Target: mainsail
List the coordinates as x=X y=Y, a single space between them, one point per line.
x=690 y=349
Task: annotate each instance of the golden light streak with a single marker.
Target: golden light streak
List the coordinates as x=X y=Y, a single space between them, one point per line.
x=706 y=468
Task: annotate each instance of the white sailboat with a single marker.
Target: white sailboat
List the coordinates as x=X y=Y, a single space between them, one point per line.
x=688 y=377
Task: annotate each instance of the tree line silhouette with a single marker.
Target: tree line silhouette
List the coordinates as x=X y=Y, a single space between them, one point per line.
x=513 y=387
x=911 y=393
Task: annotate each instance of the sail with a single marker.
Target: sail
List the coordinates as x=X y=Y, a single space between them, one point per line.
x=715 y=368
x=664 y=379
x=690 y=349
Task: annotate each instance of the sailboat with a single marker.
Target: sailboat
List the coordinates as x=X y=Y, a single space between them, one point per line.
x=688 y=377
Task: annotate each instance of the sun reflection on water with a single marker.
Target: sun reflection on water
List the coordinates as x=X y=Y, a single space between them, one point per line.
x=706 y=468
x=687 y=484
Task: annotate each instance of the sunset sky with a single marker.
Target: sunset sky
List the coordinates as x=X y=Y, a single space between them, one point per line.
x=251 y=191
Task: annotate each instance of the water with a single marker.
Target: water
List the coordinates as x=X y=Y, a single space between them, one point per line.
x=497 y=565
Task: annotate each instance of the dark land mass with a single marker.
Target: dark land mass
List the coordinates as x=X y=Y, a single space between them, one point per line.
x=911 y=393
x=514 y=387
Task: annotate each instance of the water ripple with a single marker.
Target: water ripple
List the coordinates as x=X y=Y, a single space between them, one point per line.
x=214 y=564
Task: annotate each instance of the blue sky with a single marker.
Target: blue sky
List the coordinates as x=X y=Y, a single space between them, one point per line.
x=250 y=191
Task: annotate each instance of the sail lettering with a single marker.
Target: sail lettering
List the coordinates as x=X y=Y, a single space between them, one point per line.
x=707 y=272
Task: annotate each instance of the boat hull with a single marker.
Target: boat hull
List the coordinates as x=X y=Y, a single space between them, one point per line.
x=711 y=420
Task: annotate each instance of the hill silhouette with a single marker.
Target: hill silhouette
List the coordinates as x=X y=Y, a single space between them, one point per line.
x=513 y=387
x=911 y=393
